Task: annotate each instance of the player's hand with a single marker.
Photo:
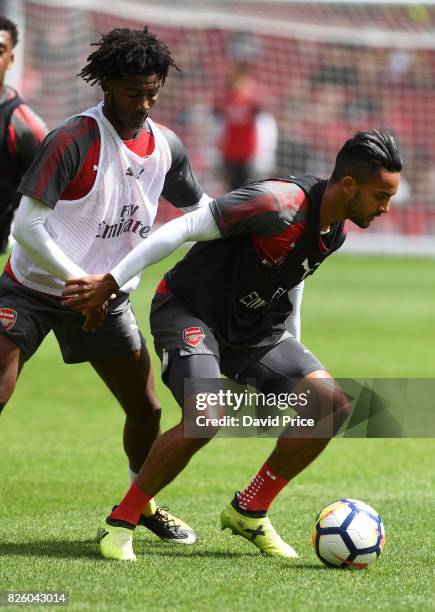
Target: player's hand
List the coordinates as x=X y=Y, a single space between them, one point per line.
x=89 y=292
x=94 y=318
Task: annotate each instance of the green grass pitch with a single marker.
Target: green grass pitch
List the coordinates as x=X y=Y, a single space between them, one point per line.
x=62 y=467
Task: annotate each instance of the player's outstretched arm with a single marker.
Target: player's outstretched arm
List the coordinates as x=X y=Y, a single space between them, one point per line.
x=91 y=291
x=29 y=231
x=293 y=322
x=205 y=199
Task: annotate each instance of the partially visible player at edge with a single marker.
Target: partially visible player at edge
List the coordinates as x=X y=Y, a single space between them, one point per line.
x=90 y=197
x=21 y=132
x=261 y=241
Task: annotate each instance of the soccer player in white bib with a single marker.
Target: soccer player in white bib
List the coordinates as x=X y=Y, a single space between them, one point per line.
x=88 y=199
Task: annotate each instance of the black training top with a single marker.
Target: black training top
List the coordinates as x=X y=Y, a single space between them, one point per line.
x=223 y=282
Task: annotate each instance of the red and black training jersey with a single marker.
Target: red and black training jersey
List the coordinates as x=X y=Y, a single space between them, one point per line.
x=271 y=241
x=21 y=132
x=66 y=164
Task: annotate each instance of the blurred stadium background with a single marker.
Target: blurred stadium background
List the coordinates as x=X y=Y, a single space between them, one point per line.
x=321 y=70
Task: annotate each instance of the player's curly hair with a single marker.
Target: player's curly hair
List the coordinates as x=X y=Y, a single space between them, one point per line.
x=364 y=152
x=124 y=51
x=6 y=25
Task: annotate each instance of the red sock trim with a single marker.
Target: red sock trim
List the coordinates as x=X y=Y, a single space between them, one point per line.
x=131 y=507
x=261 y=491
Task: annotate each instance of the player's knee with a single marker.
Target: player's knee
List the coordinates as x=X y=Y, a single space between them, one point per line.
x=328 y=405
x=152 y=405
x=203 y=415
x=4 y=397
x=10 y=366
x=143 y=409
x=7 y=387
x=341 y=409
x=151 y=412
x=334 y=407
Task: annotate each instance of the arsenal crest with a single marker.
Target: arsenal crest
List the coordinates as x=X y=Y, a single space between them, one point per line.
x=8 y=318
x=193 y=336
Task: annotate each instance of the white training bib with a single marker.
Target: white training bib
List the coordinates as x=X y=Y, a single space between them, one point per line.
x=98 y=230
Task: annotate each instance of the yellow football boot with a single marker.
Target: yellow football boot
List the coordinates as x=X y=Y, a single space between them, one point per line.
x=256 y=528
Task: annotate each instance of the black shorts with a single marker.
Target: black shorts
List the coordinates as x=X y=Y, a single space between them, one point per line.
x=27 y=316
x=177 y=332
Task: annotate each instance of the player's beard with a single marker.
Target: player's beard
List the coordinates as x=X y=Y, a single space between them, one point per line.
x=137 y=121
x=353 y=212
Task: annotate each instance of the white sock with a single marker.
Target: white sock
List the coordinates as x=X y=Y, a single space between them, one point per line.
x=132 y=475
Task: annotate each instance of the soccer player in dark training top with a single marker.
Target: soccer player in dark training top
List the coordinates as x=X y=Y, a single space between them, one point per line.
x=228 y=316
x=89 y=197
x=21 y=132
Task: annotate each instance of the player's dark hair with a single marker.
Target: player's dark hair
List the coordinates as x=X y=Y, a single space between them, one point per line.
x=124 y=51
x=6 y=25
x=363 y=153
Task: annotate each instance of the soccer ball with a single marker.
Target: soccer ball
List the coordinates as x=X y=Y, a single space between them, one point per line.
x=348 y=534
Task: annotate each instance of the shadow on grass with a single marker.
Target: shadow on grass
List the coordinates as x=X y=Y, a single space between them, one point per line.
x=80 y=549
x=88 y=549
x=223 y=554
x=170 y=549
x=77 y=549
x=163 y=549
